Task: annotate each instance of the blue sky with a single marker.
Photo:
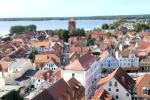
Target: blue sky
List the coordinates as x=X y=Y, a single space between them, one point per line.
x=62 y=8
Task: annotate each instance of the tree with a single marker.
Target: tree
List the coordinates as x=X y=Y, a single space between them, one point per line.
x=64 y=34
x=97 y=29
x=105 y=26
x=78 y=32
x=103 y=70
x=17 y=29
x=82 y=32
x=111 y=26
x=32 y=54
x=30 y=28
x=140 y=26
x=20 y=29
x=89 y=40
x=109 y=34
x=119 y=22
x=13 y=95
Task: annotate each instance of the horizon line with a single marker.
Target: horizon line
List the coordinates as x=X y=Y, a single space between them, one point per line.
x=78 y=16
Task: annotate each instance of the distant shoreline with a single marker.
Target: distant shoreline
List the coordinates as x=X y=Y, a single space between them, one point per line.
x=146 y=16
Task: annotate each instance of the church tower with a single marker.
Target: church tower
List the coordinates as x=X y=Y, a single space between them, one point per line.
x=71 y=25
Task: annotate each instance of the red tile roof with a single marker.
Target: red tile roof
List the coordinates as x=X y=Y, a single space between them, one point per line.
x=77 y=88
x=4 y=64
x=141 y=83
x=82 y=63
x=102 y=94
x=142 y=44
x=46 y=57
x=42 y=74
x=104 y=55
x=60 y=90
x=123 y=78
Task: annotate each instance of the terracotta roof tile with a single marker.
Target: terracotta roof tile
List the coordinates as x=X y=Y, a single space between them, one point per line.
x=43 y=74
x=47 y=57
x=4 y=64
x=102 y=94
x=141 y=83
x=77 y=88
x=60 y=89
x=82 y=63
x=40 y=44
x=142 y=44
x=123 y=78
x=104 y=55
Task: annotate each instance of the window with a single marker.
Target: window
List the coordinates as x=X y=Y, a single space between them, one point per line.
x=117 y=90
x=109 y=89
x=115 y=83
x=145 y=90
x=110 y=83
x=135 y=98
x=127 y=94
x=73 y=74
x=117 y=97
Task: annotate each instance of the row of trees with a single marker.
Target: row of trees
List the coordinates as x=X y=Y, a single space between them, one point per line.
x=138 y=27
x=141 y=26
x=115 y=24
x=78 y=32
x=64 y=34
x=20 y=29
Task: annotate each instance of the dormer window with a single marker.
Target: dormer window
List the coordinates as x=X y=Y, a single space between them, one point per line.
x=146 y=90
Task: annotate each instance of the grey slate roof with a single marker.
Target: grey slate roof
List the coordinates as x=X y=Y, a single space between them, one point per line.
x=26 y=75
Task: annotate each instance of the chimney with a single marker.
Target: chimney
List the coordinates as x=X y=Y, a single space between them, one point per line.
x=123 y=79
x=48 y=77
x=117 y=55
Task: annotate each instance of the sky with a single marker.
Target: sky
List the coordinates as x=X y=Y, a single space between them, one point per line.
x=72 y=8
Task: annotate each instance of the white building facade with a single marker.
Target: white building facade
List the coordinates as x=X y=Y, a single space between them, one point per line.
x=50 y=66
x=87 y=76
x=109 y=62
x=16 y=69
x=117 y=90
x=130 y=60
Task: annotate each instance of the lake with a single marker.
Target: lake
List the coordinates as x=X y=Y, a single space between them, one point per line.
x=52 y=24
